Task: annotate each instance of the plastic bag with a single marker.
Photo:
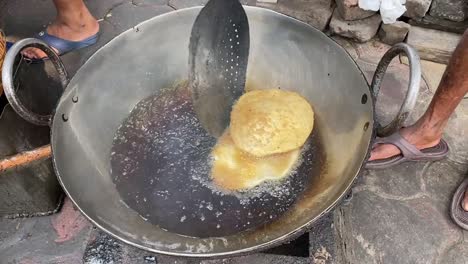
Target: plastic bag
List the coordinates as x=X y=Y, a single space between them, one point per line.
x=390 y=10
x=373 y=5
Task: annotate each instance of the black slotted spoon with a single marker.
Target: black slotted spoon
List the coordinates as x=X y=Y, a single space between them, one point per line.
x=218 y=55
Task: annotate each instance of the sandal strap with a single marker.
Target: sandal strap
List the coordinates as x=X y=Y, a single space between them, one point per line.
x=407 y=149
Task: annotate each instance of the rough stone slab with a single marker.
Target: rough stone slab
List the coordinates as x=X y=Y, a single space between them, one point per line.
x=457 y=254
x=99 y=9
x=433 y=45
x=441 y=179
x=103 y=248
x=455 y=10
x=316 y=13
x=417 y=8
x=60 y=238
x=406 y=185
x=32 y=21
x=375 y=229
x=132 y=255
x=350 y=10
x=260 y=259
x=322 y=242
x=440 y=24
x=455 y=134
x=359 y=30
x=394 y=33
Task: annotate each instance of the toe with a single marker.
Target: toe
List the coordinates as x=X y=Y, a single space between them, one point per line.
x=33 y=53
x=465 y=201
x=465 y=205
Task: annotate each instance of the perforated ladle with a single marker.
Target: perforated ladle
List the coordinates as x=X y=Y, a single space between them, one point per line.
x=218 y=55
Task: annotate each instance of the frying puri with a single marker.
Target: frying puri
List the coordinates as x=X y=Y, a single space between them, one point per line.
x=266 y=122
x=264 y=140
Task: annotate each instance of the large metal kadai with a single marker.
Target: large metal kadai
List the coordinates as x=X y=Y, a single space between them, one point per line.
x=130 y=152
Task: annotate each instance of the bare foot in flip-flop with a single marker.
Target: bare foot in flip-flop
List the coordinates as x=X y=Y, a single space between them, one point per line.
x=408 y=144
x=72 y=29
x=421 y=139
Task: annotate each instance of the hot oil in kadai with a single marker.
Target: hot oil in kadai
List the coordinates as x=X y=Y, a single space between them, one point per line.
x=161 y=164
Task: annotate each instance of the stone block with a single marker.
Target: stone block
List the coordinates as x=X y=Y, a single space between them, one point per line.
x=350 y=10
x=455 y=10
x=440 y=24
x=433 y=45
x=414 y=229
x=359 y=30
x=316 y=13
x=393 y=33
x=417 y=8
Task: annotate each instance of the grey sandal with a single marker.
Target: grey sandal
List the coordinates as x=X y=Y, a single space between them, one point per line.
x=459 y=215
x=408 y=152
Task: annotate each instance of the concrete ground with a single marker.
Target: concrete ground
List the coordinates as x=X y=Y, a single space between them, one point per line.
x=398 y=215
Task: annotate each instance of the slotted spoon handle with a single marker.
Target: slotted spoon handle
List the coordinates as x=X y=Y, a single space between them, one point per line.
x=218 y=55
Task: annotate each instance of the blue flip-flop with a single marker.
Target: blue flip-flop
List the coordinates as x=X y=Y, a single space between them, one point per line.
x=63 y=46
x=8 y=45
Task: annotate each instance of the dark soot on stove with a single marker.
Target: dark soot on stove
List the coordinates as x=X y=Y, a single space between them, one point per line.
x=160 y=164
